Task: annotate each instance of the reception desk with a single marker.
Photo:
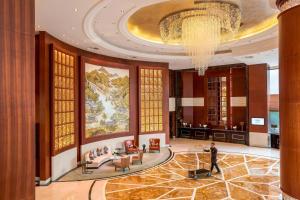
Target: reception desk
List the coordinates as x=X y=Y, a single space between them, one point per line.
x=222 y=135
x=195 y=133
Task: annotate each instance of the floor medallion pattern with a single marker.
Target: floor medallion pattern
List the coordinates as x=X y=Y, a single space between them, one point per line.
x=241 y=177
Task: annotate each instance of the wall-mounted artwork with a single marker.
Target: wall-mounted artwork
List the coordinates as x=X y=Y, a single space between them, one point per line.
x=106 y=100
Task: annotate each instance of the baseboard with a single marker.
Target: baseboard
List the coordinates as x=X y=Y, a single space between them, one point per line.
x=45 y=182
x=259 y=139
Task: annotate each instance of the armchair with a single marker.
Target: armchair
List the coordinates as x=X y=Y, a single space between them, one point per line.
x=154 y=144
x=123 y=163
x=130 y=147
x=138 y=158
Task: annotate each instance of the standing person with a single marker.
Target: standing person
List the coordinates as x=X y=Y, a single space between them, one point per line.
x=213 y=153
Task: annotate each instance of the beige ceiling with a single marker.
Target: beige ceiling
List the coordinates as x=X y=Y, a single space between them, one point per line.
x=256 y=18
x=103 y=24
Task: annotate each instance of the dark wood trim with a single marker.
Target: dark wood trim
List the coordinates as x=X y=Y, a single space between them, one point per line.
x=219 y=67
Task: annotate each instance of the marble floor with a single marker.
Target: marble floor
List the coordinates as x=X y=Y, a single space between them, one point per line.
x=247 y=173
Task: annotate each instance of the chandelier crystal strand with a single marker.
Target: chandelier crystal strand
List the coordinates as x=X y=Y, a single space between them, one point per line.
x=201 y=29
x=201 y=36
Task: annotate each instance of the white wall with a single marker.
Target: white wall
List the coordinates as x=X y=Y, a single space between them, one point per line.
x=259 y=139
x=110 y=143
x=187 y=102
x=172 y=104
x=63 y=162
x=238 y=101
x=144 y=139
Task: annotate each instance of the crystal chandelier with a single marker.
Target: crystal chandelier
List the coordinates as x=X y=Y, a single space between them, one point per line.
x=201 y=29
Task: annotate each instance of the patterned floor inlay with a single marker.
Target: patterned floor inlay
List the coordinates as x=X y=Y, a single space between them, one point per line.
x=242 y=177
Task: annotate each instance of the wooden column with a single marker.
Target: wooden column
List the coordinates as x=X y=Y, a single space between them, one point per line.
x=258 y=104
x=289 y=77
x=17 y=110
x=199 y=116
x=187 y=96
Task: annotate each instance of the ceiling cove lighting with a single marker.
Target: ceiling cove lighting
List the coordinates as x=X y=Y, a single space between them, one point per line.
x=202 y=28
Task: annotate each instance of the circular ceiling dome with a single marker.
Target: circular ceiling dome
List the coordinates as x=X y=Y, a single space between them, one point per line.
x=130 y=29
x=144 y=23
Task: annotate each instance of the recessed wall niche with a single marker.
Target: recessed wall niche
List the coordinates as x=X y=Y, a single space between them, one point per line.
x=151 y=100
x=63 y=115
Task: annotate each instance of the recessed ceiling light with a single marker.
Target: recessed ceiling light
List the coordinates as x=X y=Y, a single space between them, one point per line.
x=73 y=28
x=76 y=9
x=64 y=35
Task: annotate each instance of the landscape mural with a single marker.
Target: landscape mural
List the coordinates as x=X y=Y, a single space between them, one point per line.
x=106 y=100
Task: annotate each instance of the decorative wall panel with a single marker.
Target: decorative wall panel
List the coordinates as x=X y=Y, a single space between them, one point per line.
x=106 y=100
x=151 y=100
x=63 y=100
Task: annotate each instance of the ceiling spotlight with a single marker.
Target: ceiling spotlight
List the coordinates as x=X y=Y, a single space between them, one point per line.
x=76 y=9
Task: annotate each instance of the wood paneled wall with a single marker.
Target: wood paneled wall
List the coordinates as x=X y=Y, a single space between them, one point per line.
x=195 y=86
x=17 y=111
x=258 y=96
x=239 y=88
x=43 y=42
x=199 y=114
x=289 y=100
x=187 y=92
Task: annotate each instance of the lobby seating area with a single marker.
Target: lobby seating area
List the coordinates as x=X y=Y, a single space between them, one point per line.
x=137 y=163
x=93 y=160
x=154 y=145
x=123 y=163
x=130 y=147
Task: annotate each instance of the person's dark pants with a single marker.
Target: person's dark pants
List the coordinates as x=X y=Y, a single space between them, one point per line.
x=214 y=164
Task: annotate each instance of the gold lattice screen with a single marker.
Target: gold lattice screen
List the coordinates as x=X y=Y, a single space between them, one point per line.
x=151 y=100
x=63 y=100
